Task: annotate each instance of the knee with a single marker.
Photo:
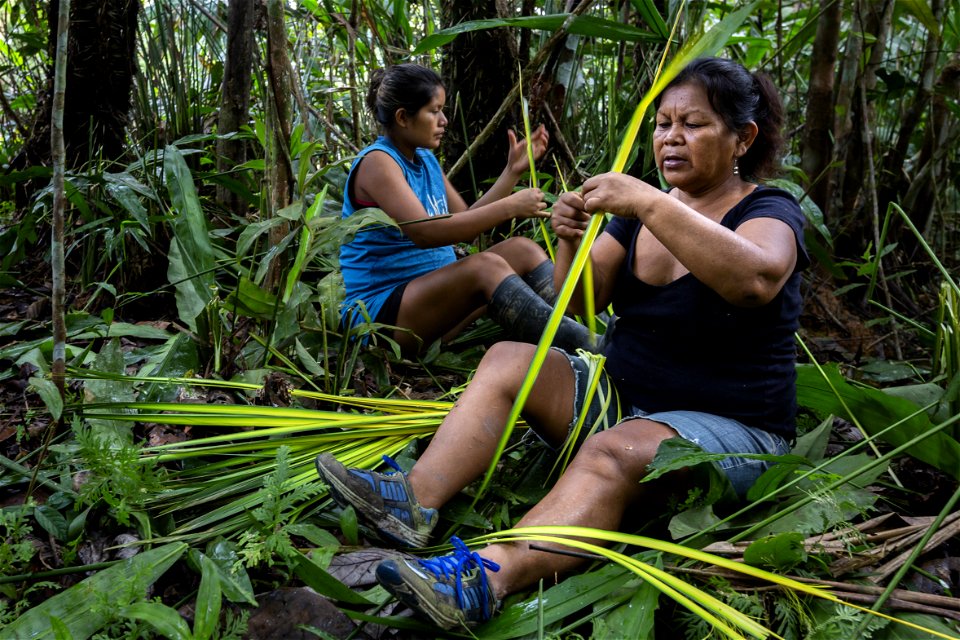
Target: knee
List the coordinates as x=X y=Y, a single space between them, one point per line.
x=506 y=356
x=522 y=253
x=612 y=458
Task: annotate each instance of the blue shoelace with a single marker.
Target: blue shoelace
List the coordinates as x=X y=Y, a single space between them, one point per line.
x=454 y=564
x=392 y=464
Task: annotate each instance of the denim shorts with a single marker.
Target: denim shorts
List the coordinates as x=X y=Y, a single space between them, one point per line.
x=712 y=433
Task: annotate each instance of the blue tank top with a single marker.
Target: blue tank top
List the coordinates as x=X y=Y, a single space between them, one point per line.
x=681 y=346
x=381 y=258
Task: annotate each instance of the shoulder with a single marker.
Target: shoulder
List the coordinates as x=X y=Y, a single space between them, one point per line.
x=770 y=202
x=428 y=160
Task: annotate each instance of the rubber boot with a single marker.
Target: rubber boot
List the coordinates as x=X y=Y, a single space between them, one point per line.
x=523 y=315
x=540 y=279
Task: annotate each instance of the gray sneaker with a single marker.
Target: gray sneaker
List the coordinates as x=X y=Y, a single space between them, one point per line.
x=450 y=590
x=384 y=501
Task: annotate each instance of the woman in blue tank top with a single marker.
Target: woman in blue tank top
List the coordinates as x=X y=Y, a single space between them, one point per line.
x=408 y=276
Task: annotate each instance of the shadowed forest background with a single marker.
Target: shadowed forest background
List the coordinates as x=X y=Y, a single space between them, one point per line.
x=171 y=361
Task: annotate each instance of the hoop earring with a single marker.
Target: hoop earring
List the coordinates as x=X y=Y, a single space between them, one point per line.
x=736 y=166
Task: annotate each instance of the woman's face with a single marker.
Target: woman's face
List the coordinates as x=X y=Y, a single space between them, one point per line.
x=692 y=145
x=425 y=128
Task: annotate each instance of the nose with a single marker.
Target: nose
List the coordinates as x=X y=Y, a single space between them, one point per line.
x=673 y=135
x=443 y=119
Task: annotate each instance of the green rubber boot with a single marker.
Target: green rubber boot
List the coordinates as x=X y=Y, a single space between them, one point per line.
x=541 y=281
x=523 y=314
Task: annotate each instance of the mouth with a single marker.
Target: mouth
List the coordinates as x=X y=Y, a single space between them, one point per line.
x=672 y=162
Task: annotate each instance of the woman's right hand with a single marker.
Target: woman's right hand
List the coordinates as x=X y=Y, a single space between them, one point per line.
x=527 y=203
x=569 y=219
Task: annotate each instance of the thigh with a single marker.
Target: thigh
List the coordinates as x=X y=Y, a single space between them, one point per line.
x=441 y=300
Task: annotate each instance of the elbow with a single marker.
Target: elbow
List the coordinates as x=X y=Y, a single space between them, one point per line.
x=425 y=240
x=756 y=292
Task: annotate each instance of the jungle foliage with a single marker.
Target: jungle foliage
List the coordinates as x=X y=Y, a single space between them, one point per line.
x=205 y=149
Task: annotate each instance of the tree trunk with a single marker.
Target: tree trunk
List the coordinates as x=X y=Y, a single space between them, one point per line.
x=479 y=70
x=99 y=77
x=896 y=184
x=874 y=19
x=235 y=97
x=819 y=118
x=279 y=167
x=57 y=154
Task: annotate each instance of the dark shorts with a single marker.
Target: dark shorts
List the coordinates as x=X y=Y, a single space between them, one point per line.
x=714 y=434
x=391 y=306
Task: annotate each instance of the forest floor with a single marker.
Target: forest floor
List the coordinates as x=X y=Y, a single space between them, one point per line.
x=834 y=329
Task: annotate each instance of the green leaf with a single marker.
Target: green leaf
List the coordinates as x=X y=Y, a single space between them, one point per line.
x=165 y=620
x=780 y=552
x=191 y=257
x=830 y=393
x=234 y=581
x=349 y=525
x=651 y=16
x=52 y=521
x=75 y=606
x=920 y=9
x=632 y=619
x=578 y=25
x=573 y=594
x=317 y=578
x=207 y=616
x=50 y=395
x=313 y=533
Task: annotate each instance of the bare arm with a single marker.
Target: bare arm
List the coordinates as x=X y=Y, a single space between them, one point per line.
x=747 y=267
x=379 y=179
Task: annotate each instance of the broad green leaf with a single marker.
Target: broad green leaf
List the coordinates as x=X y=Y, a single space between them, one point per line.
x=191 y=257
x=110 y=360
x=164 y=620
x=50 y=395
x=52 y=521
x=234 y=582
x=578 y=25
x=176 y=358
x=779 y=552
x=76 y=608
x=920 y=9
x=313 y=533
x=939 y=624
x=207 y=610
x=831 y=393
x=573 y=594
x=317 y=578
x=651 y=16
x=632 y=619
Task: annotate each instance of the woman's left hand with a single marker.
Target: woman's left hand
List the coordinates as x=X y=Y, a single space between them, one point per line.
x=517 y=161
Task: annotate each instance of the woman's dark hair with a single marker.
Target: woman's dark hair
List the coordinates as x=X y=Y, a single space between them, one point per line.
x=401 y=86
x=740 y=97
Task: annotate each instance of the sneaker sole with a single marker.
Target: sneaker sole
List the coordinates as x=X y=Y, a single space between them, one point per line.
x=387 y=525
x=392 y=580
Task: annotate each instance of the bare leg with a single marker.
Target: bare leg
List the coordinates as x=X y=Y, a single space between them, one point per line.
x=441 y=303
x=522 y=254
x=601 y=482
x=465 y=443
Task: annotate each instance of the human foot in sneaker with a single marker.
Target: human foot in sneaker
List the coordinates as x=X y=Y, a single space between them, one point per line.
x=385 y=501
x=451 y=590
